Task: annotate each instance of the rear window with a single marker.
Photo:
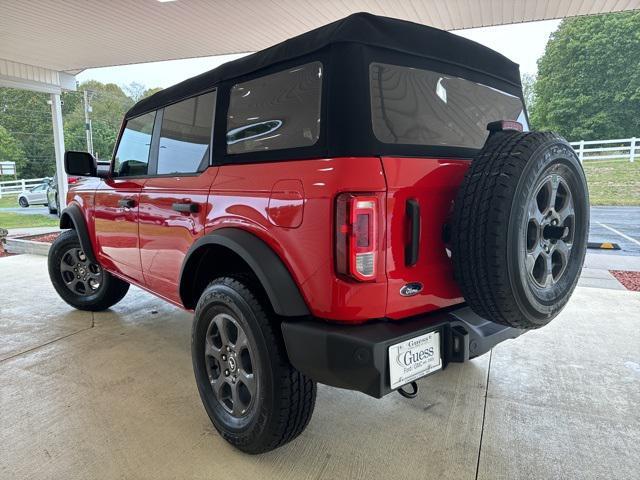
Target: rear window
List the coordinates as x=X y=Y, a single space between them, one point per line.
x=420 y=107
x=277 y=111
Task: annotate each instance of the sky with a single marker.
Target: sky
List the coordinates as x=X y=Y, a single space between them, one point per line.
x=523 y=43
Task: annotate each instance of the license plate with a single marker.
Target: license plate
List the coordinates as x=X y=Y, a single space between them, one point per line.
x=414 y=358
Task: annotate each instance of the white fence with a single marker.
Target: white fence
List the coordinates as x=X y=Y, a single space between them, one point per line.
x=624 y=149
x=13 y=187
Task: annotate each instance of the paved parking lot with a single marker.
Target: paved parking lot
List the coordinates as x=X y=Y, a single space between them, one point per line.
x=112 y=395
x=31 y=210
x=619 y=225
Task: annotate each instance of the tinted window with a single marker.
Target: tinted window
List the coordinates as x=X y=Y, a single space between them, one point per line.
x=419 y=107
x=185 y=135
x=132 y=157
x=276 y=111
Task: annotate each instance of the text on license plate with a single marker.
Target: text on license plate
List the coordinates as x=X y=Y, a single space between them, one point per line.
x=414 y=358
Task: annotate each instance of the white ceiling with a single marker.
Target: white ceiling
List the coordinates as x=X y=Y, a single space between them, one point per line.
x=72 y=35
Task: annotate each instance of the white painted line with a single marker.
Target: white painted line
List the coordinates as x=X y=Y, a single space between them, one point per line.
x=619 y=233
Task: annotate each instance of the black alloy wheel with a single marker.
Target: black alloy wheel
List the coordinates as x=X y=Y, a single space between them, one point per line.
x=229 y=363
x=81 y=283
x=254 y=397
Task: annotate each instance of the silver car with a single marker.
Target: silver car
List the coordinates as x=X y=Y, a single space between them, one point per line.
x=35 y=196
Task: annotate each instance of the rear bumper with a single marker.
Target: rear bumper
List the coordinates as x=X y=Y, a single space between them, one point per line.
x=356 y=357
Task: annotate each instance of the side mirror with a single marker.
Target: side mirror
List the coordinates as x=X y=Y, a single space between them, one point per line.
x=80 y=164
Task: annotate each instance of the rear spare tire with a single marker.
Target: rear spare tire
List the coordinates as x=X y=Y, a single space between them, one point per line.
x=520 y=226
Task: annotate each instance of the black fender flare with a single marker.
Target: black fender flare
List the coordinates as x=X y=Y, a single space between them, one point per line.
x=282 y=290
x=71 y=217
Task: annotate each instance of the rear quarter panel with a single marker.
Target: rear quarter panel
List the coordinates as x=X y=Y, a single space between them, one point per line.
x=433 y=183
x=240 y=197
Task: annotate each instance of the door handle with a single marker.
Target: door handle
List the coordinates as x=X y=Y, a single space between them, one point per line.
x=127 y=203
x=185 y=207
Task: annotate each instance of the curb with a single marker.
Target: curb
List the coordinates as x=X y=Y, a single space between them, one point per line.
x=17 y=245
x=603 y=246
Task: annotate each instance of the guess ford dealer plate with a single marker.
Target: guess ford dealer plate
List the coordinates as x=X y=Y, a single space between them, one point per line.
x=414 y=358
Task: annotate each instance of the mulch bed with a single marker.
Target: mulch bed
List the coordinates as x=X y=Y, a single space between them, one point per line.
x=631 y=280
x=46 y=238
x=3 y=253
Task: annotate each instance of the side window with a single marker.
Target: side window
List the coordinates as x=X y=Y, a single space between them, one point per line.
x=277 y=111
x=185 y=135
x=132 y=157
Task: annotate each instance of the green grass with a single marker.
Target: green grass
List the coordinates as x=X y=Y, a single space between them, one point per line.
x=15 y=220
x=613 y=182
x=8 y=201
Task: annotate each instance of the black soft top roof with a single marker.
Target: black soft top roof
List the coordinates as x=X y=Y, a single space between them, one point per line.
x=360 y=28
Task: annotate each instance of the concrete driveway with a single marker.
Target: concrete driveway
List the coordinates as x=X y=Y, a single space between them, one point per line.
x=31 y=210
x=111 y=395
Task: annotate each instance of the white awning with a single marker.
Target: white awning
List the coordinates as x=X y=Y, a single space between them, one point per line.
x=72 y=35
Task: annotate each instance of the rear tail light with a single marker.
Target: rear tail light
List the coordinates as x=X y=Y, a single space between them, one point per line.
x=356 y=236
x=72 y=180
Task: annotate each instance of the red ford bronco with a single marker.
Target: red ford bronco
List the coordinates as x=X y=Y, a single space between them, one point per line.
x=357 y=206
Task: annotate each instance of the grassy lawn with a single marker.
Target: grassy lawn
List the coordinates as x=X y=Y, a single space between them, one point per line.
x=9 y=201
x=615 y=182
x=14 y=220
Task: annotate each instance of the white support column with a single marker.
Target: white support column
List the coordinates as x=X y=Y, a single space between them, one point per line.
x=58 y=142
x=632 y=150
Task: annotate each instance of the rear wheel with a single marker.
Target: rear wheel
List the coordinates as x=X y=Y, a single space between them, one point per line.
x=255 y=398
x=520 y=226
x=80 y=282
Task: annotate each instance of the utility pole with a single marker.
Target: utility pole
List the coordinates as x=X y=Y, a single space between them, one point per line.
x=87 y=122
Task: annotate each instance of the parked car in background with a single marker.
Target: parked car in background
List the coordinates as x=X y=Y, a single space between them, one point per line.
x=52 y=192
x=34 y=196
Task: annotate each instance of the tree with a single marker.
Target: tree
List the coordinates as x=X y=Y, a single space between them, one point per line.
x=528 y=83
x=11 y=151
x=588 y=84
x=108 y=105
x=26 y=116
x=150 y=91
x=134 y=90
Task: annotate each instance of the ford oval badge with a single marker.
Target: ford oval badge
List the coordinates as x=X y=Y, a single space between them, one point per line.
x=411 y=289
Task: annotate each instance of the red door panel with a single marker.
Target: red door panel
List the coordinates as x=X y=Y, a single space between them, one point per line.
x=116 y=226
x=433 y=183
x=165 y=233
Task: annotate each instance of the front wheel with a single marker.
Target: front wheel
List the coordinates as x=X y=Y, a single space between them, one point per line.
x=255 y=398
x=79 y=282
x=23 y=202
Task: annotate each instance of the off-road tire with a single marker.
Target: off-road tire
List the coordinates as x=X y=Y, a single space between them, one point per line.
x=110 y=291
x=285 y=398
x=490 y=242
